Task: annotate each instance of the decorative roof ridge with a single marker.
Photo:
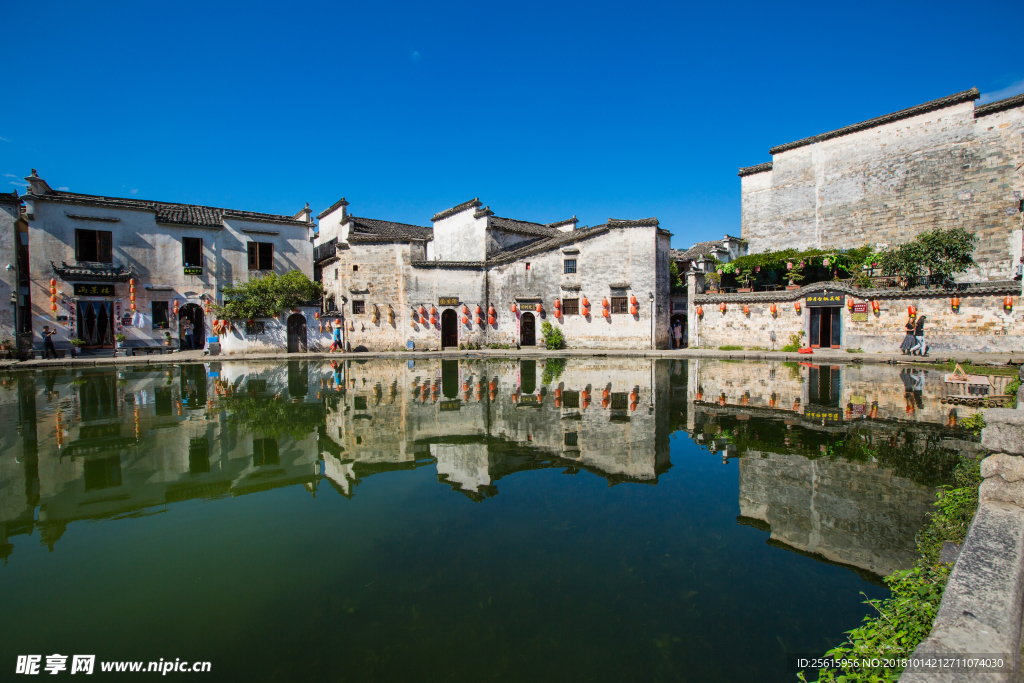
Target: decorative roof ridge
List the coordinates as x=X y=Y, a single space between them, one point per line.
x=751 y=170
x=480 y=213
x=332 y=207
x=631 y=223
x=553 y=242
x=999 y=105
x=556 y=224
x=941 y=103
x=448 y=264
x=10 y=197
x=459 y=208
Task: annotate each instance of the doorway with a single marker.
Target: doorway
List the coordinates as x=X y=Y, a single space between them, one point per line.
x=527 y=330
x=96 y=324
x=194 y=314
x=826 y=324
x=680 y=320
x=296 y=333
x=449 y=329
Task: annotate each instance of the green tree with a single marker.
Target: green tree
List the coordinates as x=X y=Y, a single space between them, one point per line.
x=940 y=253
x=553 y=337
x=267 y=296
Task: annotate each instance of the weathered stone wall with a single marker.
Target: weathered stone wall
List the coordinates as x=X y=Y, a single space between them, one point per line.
x=889 y=183
x=9 y=213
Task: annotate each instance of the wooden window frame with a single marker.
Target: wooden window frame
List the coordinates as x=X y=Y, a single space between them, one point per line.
x=98 y=243
x=195 y=260
x=162 y=307
x=570 y=307
x=619 y=305
x=358 y=307
x=261 y=256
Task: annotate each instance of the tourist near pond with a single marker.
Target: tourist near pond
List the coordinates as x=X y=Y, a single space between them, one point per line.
x=416 y=515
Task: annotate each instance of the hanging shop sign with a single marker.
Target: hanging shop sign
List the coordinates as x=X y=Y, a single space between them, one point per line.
x=94 y=290
x=450 y=405
x=825 y=414
x=193 y=270
x=859 y=313
x=448 y=301
x=826 y=299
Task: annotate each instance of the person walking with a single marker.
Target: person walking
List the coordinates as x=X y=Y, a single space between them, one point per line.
x=48 y=347
x=909 y=341
x=677 y=334
x=920 y=348
x=190 y=339
x=336 y=339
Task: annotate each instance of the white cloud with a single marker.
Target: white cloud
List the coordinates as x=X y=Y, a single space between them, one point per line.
x=135 y=190
x=19 y=184
x=63 y=189
x=9 y=175
x=5 y=139
x=1009 y=91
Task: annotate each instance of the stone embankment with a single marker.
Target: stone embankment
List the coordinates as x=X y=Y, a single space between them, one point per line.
x=983 y=603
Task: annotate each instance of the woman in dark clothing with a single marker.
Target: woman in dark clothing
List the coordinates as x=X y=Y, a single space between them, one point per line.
x=919 y=348
x=909 y=341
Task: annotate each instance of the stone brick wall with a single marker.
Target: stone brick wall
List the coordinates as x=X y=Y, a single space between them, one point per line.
x=889 y=183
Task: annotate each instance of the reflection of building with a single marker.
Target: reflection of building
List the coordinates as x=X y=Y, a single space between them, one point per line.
x=179 y=256
x=477 y=278
x=482 y=420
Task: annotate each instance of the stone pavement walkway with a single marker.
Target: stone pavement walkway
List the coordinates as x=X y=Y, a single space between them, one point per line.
x=829 y=356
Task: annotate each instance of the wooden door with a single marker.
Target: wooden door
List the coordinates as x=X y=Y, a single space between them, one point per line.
x=527 y=330
x=449 y=329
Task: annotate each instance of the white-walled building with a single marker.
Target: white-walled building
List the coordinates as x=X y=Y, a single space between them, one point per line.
x=181 y=255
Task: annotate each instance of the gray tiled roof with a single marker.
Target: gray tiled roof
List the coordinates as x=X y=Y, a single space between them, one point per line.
x=999 y=105
x=332 y=207
x=168 y=212
x=10 y=197
x=373 y=230
x=523 y=227
x=472 y=203
x=751 y=170
x=942 y=102
x=639 y=222
x=698 y=250
x=962 y=289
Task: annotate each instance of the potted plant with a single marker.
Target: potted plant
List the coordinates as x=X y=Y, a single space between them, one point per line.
x=745 y=276
x=167 y=338
x=794 y=275
x=6 y=345
x=120 y=339
x=713 y=280
x=76 y=345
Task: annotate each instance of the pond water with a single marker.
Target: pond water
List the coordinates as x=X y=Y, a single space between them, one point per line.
x=506 y=520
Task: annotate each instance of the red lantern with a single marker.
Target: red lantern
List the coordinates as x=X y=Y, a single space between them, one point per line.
x=604 y=303
x=175 y=307
x=423 y=311
x=586 y=304
x=53 y=299
x=433 y=311
x=558 y=304
x=911 y=311
x=746 y=309
x=632 y=300
x=53 y=283
x=796 y=306
x=773 y=309
x=1008 y=303
x=490 y=320
x=874 y=306
x=465 y=309
x=423 y=321
x=433 y=320
x=849 y=304
x=632 y=310
x=721 y=307
x=490 y=311
x=955 y=303
x=700 y=311
x=465 y=320
x=513 y=308
x=605 y=313
x=477 y=311
x=479 y=320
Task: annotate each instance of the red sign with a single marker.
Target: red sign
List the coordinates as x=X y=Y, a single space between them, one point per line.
x=860 y=308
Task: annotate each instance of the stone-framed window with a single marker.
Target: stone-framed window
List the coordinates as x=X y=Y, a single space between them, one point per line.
x=160 y=319
x=571 y=307
x=620 y=401
x=355 y=269
x=571 y=439
x=571 y=399
x=569 y=266
x=358 y=307
x=336 y=273
x=620 y=304
x=192 y=252
x=261 y=255
x=96 y=246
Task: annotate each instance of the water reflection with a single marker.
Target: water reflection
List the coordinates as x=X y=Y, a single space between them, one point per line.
x=836 y=463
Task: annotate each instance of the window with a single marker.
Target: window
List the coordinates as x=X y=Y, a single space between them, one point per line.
x=358 y=307
x=160 y=320
x=620 y=401
x=192 y=252
x=527 y=266
x=355 y=268
x=571 y=307
x=198 y=456
x=94 y=245
x=264 y=452
x=572 y=438
x=261 y=256
x=335 y=273
x=360 y=403
x=102 y=474
x=571 y=399
x=569 y=265
x=620 y=304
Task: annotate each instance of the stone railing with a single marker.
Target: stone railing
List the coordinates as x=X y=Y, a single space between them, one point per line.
x=983 y=603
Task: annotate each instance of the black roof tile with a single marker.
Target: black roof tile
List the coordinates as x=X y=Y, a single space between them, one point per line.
x=472 y=203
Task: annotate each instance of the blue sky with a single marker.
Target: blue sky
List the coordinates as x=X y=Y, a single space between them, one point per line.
x=543 y=110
